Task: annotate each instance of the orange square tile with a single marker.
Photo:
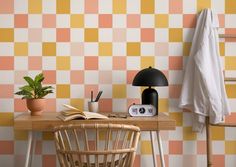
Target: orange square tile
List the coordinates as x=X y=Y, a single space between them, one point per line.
x=35 y=63
x=6 y=63
x=174 y=91
x=21 y=21
x=201 y=147
x=6 y=91
x=50 y=105
x=7 y=147
x=20 y=105
x=175 y=62
x=38 y=147
x=189 y=20
x=49 y=77
x=63 y=34
x=7 y=6
x=221 y=18
x=91 y=6
x=176 y=6
x=49 y=21
x=147 y=35
x=105 y=105
x=137 y=161
x=175 y=147
x=230 y=31
x=89 y=88
x=77 y=77
x=231 y=118
x=49 y=161
x=130 y=76
x=91 y=63
x=119 y=63
x=105 y=21
x=133 y=20
x=218 y=160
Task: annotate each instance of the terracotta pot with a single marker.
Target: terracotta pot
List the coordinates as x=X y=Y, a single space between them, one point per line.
x=36 y=106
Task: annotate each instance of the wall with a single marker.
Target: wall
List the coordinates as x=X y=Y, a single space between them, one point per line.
x=84 y=45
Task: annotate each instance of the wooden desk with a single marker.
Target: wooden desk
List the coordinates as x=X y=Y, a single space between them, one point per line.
x=48 y=120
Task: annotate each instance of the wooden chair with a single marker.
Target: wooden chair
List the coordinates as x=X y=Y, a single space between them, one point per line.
x=96 y=145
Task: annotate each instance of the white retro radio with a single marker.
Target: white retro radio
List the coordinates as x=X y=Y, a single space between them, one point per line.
x=137 y=110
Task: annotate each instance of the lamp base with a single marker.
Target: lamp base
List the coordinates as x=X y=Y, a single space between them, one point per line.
x=150 y=96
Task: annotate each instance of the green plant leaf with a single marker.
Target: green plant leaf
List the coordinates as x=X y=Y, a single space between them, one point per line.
x=30 y=81
x=26 y=88
x=39 y=78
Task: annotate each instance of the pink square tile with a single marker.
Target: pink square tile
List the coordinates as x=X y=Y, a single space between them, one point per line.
x=133 y=21
x=49 y=21
x=19 y=77
x=77 y=77
x=105 y=21
x=6 y=63
x=50 y=77
x=130 y=76
x=20 y=105
x=221 y=20
x=49 y=161
x=231 y=118
x=175 y=63
x=7 y=6
x=218 y=160
x=230 y=31
x=91 y=6
x=137 y=161
x=189 y=20
x=50 y=105
x=174 y=91
x=63 y=34
x=175 y=6
x=189 y=160
x=35 y=62
x=38 y=147
x=35 y=34
x=21 y=20
x=119 y=63
x=7 y=147
x=6 y=91
x=201 y=147
x=119 y=35
x=175 y=147
x=132 y=101
x=161 y=49
x=105 y=77
x=77 y=49
x=147 y=35
x=91 y=63
x=105 y=105
x=89 y=88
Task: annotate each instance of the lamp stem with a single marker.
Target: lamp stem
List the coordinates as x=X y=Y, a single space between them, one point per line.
x=150 y=96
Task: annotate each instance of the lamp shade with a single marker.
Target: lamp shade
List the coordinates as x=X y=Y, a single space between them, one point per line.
x=150 y=77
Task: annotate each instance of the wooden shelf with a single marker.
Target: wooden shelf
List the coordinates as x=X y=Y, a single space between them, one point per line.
x=230 y=79
x=227 y=35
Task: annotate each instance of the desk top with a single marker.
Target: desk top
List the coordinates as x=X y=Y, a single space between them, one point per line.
x=48 y=120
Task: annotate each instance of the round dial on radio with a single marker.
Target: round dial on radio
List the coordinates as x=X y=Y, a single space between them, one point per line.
x=142 y=110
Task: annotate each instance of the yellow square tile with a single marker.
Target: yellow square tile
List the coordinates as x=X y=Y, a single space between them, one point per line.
x=163 y=105
x=146 y=147
x=78 y=103
x=63 y=91
x=105 y=49
x=147 y=61
x=161 y=20
x=175 y=35
x=91 y=35
x=119 y=6
x=76 y=21
x=49 y=49
x=230 y=90
x=47 y=136
x=6 y=118
x=230 y=7
x=6 y=35
x=133 y=49
x=20 y=135
x=178 y=117
x=186 y=48
x=230 y=147
x=188 y=134
x=230 y=62
x=147 y=6
x=203 y=4
x=217 y=133
x=63 y=63
x=63 y=6
x=222 y=48
x=119 y=91
x=21 y=49
x=35 y=6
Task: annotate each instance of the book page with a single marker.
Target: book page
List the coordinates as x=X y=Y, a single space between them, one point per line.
x=91 y=115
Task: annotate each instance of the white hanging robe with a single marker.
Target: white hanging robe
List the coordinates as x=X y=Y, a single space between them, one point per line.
x=203 y=90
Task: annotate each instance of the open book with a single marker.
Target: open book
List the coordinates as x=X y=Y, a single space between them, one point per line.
x=74 y=113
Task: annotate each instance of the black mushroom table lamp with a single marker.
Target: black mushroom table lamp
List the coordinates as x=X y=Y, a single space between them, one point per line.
x=150 y=77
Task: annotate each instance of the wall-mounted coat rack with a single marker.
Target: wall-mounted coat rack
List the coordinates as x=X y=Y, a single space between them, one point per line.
x=227 y=35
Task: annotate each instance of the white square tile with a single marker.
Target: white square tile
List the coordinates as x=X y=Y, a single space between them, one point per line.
x=133 y=63
x=7 y=21
x=7 y=160
x=175 y=159
x=119 y=77
x=175 y=77
x=189 y=6
x=21 y=63
x=119 y=49
x=21 y=35
x=35 y=20
x=161 y=35
x=119 y=20
x=77 y=6
x=133 y=34
x=119 y=105
x=90 y=52
x=21 y=6
x=147 y=21
x=162 y=62
x=163 y=92
x=188 y=34
x=228 y=21
x=105 y=6
x=201 y=160
x=187 y=119
x=62 y=77
x=133 y=7
x=105 y=63
x=63 y=49
x=189 y=147
x=60 y=102
x=34 y=49
x=218 y=147
x=7 y=133
x=49 y=7
x=91 y=20
x=62 y=21
x=105 y=35
x=49 y=63
x=230 y=133
x=146 y=160
x=177 y=134
x=77 y=63
x=148 y=49
x=6 y=49
x=230 y=48
x=174 y=106
x=7 y=77
x=77 y=91
x=7 y=105
x=176 y=49
x=230 y=160
x=91 y=77
x=218 y=6
x=49 y=35
x=175 y=20
x=133 y=91
x=76 y=35
x=107 y=90
x=20 y=147
x=48 y=147
x=161 y=6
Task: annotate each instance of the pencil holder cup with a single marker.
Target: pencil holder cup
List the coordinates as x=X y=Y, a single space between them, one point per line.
x=93 y=106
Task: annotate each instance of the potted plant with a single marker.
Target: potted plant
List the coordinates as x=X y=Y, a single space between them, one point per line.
x=34 y=93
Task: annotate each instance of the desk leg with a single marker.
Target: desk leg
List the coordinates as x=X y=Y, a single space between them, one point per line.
x=34 y=135
x=160 y=149
x=153 y=150
x=27 y=158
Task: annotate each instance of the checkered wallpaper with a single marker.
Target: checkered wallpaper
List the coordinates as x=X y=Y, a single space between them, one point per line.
x=84 y=45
